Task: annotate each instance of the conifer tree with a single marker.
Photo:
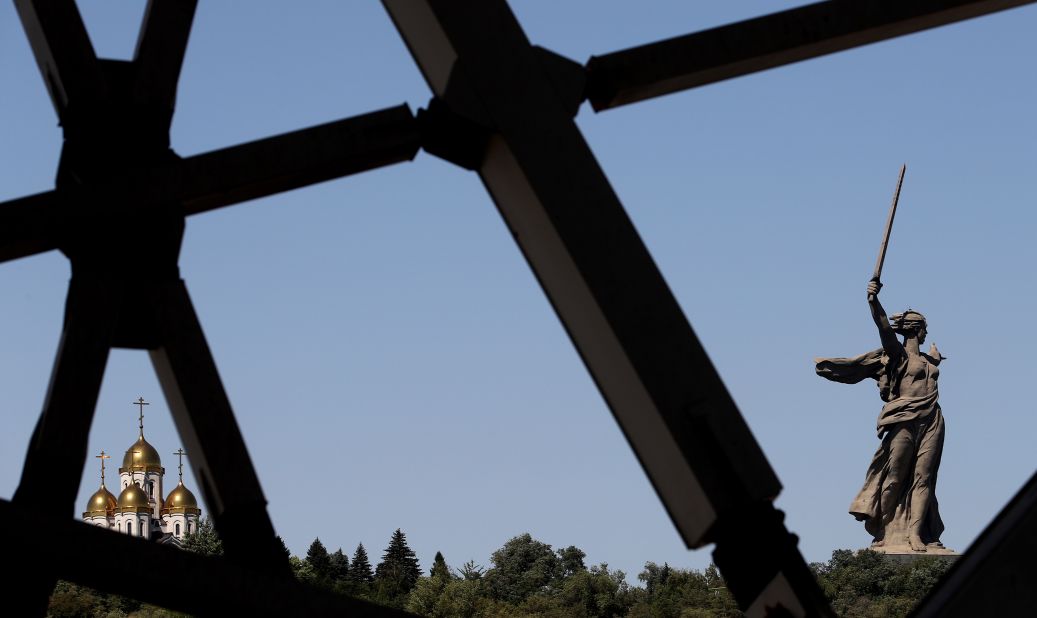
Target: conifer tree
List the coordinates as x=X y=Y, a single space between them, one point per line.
x=318 y=559
x=360 y=571
x=399 y=566
x=284 y=548
x=439 y=568
x=338 y=567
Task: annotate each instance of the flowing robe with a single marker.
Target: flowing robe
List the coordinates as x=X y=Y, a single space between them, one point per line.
x=899 y=490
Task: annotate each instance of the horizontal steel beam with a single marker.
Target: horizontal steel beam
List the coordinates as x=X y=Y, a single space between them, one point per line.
x=297 y=159
x=29 y=225
x=34 y=224
x=200 y=585
x=766 y=42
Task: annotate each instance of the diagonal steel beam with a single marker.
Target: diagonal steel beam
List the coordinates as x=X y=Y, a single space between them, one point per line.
x=297 y=159
x=662 y=388
x=766 y=42
x=58 y=449
x=205 y=421
x=63 y=52
x=160 y=51
x=199 y=585
x=995 y=576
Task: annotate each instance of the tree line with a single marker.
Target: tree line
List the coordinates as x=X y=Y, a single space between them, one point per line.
x=526 y=577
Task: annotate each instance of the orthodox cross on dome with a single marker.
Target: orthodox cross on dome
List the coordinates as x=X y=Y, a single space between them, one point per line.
x=141 y=403
x=180 y=455
x=102 y=457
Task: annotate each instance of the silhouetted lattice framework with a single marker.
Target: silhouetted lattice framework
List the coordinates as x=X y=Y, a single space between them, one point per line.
x=503 y=108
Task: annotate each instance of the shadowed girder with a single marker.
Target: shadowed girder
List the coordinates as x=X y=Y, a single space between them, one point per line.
x=503 y=108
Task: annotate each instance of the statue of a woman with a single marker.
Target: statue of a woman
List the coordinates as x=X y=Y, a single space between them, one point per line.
x=898 y=502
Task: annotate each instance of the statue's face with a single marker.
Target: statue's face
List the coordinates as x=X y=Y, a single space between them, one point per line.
x=921 y=335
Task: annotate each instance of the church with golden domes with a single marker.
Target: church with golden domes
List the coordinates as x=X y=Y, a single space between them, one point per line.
x=140 y=509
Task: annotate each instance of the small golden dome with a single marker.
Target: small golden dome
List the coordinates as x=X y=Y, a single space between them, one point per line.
x=142 y=457
x=181 y=500
x=133 y=499
x=101 y=503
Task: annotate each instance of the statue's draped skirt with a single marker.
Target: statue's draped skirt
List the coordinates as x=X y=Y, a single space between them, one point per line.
x=905 y=465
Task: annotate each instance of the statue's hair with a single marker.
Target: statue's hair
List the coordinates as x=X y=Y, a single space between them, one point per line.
x=907 y=321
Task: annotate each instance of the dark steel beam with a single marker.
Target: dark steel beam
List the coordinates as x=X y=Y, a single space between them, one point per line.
x=211 y=180
x=297 y=159
x=766 y=42
x=995 y=576
x=160 y=50
x=63 y=52
x=57 y=451
x=58 y=448
x=205 y=421
x=199 y=585
x=29 y=225
x=657 y=379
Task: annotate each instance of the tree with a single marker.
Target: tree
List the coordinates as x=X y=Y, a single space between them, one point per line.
x=399 y=563
x=318 y=560
x=284 y=548
x=523 y=567
x=439 y=568
x=360 y=572
x=867 y=583
x=398 y=572
x=204 y=540
x=597 y=592
x=572 y=560
x=338 y=568
x=470 y=571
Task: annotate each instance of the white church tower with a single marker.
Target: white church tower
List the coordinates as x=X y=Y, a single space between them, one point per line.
x=140 y=510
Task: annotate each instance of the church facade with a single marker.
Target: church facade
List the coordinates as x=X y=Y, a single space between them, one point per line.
x=140 y=510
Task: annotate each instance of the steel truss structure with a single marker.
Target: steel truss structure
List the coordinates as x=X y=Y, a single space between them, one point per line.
x=504 y=108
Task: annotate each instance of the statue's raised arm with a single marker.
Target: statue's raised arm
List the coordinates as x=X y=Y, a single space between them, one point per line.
x=890 y=345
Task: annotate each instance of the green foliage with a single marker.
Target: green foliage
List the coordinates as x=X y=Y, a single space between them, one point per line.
x=865 y=583
x=73 y=601
x=204 y=541
x=319 y=561
x=522 y=568
x=338 y=567
x=528 y=578
x=471 y=571
x=597 y=592
x=439 y=569
x=671 y=592
x=299 y=568
x=397 y=573
x=572 y=560
x=361 y=572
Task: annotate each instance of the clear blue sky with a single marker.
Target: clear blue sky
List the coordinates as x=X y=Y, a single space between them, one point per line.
x=393 y=363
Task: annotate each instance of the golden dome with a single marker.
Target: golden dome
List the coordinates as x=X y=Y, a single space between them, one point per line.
x=133 y=499
x=101 y=503
x=144 y=459
x=181 y=500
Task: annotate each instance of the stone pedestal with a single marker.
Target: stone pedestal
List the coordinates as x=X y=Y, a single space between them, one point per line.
x=904 y=554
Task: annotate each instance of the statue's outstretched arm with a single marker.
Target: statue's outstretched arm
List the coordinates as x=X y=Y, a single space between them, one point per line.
x=886 y=334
